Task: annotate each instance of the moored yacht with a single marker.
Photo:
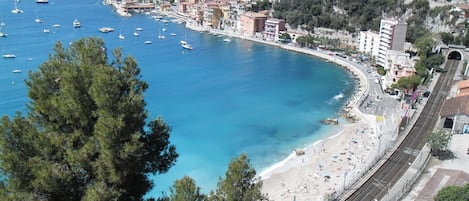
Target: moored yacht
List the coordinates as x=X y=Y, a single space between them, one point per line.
x=106 y=29
x=42 y=1
x=76 y=23
x=187 y=46
x=8 y=56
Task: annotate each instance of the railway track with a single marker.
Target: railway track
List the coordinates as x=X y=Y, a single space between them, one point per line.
x=397 y=164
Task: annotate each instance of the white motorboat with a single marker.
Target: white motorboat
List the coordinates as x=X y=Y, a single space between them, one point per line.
x=139 y=29
x=136 y=34
x=187 y=46
x=148 y=42
x=46 y=30
x=106 y=29
x=37 y=20
x=16 y=11
x=16 y=71
x=121 y=36
x=8 y=56
x=227 y=40
x=161 y=37
x=172 y=34
x=42 y=1
x=56 y=25
x=76 y=23
x=3 y=34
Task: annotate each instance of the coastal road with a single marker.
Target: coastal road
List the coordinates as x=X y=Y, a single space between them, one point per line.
x=397 y=164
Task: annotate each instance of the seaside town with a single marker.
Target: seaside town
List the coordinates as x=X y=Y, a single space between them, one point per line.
x=397 y=138
x=330 y=169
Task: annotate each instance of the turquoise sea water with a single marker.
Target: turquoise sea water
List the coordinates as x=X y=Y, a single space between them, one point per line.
x=221 y=99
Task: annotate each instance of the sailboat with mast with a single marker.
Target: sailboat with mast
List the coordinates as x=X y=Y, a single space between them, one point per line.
x=16 y=10
x=184 y=43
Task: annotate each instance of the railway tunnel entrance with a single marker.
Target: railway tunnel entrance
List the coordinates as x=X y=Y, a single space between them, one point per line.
x=455 y=55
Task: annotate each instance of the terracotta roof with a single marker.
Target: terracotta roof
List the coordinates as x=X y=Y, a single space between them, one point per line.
x=456 y=105
x=464 y=7
x=442 y=178
x=463 y=84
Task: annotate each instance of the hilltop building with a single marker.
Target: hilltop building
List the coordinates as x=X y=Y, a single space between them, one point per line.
x=392 y=34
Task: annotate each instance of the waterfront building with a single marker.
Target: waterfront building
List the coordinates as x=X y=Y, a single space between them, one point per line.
x=208 y=17
x=392 y=34
x=252 y=23
x=273 y=27
x=398 y=64
x=368 y=42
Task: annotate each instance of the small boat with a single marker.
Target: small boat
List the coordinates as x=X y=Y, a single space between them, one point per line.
x=3 y=34
x=17 y=71
x=42 y=1
x=139 y=29
x=56 y=25
x=172 y=34
x=227 y=40
x=37 y=20
x=121 y=36
x=46 y=30
x=187 y=46
x=76 y=23
x=106 y=29
x=136 y=34
x=147 y=42
x=16 y=11
x=2 y=24
x=164 y=29
x=8 y=56
x=161 y=37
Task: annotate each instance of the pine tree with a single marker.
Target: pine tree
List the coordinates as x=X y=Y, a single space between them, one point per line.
x=185 y=189
x=84 y=136
x=240 y=182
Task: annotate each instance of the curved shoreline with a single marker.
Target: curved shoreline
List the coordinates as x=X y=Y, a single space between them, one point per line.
x=292 y=178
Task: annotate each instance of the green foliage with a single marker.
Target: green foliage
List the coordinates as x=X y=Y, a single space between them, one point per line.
x=185 y=189
x=446 y=38
x=240 y=182
x=381 y=71
x=424 y=45
x=434 y=61
x=317 y=13
x=409 y=83
x=83 y=137
x=438 y=141
x=453 y=193
x=305 y=41
x=285 y=37
x=260 y=5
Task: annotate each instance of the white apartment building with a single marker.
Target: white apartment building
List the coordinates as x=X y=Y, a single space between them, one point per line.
x=272 y=29
x=392 y=34
x=398 y=64
x=368 y=42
